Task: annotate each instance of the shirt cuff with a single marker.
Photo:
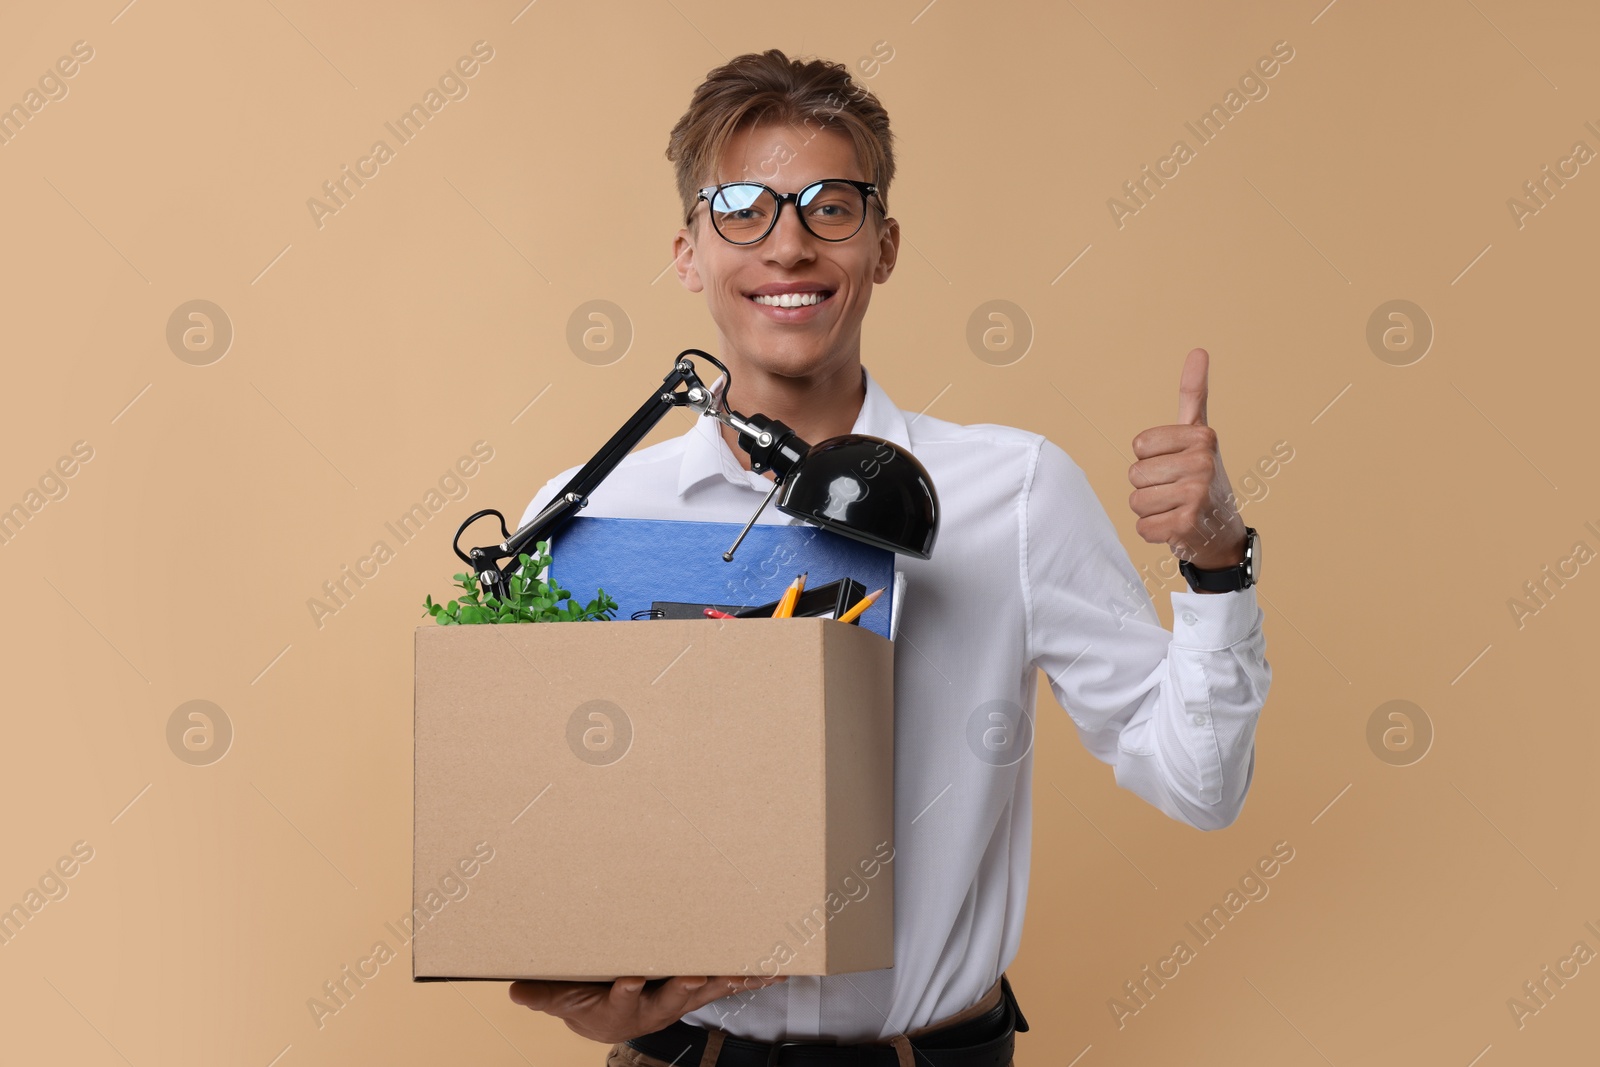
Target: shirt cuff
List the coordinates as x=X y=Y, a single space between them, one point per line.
x=1207 y=622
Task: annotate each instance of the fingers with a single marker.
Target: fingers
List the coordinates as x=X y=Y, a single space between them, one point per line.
x=736 y=984
x=541 y=994
x=715 y=988
x=674 y=1000
x=1160 y=440
x=678 y=996
x=528 y=994
x=1156 y=499
x=1161 y=528
x=624 y=995
x=627 y=997
x=1191 y=534
x=1170 y=467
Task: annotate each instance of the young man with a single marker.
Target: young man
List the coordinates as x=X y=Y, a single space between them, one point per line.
x=1174 y=713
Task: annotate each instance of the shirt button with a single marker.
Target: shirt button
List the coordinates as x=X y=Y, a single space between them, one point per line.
x=1199 y=720
x=1189 y=617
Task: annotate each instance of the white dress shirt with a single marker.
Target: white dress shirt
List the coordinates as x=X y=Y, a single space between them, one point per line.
x=1027 y=573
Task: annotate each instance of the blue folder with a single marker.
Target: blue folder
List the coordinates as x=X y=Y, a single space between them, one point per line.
x=640 y=561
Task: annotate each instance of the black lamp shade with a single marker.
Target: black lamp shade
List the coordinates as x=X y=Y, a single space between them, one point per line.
x=865 y=488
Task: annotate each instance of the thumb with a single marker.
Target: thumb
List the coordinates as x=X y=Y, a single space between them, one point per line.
x=1192 y=389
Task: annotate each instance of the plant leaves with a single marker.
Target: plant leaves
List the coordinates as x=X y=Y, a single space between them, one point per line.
x=525 y=599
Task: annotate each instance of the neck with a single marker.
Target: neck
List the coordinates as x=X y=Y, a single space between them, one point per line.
x=815 y=408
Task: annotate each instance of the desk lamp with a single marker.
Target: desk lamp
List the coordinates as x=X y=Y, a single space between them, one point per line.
x=859 y=486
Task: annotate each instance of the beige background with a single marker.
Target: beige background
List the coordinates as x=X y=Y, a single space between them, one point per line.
x=432 y=310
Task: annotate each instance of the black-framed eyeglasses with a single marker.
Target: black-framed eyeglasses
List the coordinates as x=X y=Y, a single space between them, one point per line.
x=832 y=209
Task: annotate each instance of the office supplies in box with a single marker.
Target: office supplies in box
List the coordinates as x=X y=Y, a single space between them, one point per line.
x=640 y=561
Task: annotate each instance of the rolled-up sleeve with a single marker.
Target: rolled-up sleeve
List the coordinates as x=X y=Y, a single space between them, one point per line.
x=1173 y=712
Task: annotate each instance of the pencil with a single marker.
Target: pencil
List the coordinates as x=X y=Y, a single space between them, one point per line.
x=861 y=605
x=786 y=603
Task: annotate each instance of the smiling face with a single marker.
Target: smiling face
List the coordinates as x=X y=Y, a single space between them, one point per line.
x=817 y=341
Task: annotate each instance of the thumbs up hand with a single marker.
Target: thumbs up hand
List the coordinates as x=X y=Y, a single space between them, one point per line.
x=1181 y=493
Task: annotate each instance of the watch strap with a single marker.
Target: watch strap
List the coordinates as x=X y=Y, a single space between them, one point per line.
x=1224 y=579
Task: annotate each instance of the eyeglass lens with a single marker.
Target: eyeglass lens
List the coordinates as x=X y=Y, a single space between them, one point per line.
x=743 y=212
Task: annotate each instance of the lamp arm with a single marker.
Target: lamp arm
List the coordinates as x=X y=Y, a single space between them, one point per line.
x=575 y=494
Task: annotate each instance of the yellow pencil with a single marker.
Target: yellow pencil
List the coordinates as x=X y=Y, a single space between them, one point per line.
x=791 y=596
x=861 y=605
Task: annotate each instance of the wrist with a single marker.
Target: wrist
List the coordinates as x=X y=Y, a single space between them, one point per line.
x=1220 y=562
x=1230 y=556
x=1224 y=572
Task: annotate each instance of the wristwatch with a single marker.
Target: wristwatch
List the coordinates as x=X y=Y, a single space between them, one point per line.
x=1228 y=579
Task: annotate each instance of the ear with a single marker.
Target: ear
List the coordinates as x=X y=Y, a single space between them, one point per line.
x=888 y=250
x=683 y=261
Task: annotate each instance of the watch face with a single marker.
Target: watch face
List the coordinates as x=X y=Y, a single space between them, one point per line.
x=1255 y=557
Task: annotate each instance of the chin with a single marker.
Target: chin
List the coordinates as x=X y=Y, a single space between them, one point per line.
x=791 y=360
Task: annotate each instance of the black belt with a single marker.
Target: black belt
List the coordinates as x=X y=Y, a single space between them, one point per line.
x=984 y=1041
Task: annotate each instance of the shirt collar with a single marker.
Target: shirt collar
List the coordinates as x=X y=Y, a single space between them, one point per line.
x=706 y=454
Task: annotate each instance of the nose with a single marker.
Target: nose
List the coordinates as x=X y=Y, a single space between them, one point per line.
x=789 y=241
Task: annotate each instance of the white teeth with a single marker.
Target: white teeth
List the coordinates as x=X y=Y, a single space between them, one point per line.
x=790 y=300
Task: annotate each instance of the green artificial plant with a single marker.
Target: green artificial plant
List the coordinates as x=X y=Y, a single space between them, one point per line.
x=527 y=599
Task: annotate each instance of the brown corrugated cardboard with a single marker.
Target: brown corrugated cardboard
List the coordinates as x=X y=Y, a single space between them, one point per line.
x=653 y=798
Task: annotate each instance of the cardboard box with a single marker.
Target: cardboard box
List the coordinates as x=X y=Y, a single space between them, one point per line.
x=655 y=798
